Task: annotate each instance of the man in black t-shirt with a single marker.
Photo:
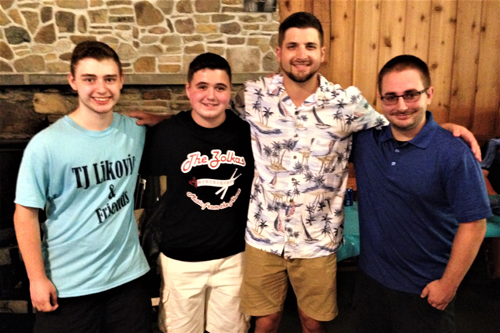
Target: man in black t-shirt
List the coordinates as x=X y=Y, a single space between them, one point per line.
x=206 y=155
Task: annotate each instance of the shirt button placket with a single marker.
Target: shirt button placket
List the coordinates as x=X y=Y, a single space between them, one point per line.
x=396 y=156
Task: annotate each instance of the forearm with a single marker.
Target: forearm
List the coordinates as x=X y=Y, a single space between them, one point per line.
x=28 y=238
x=148 y=118
x=464 y=250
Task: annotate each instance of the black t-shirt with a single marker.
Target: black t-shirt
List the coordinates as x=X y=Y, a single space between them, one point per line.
x=209 y=174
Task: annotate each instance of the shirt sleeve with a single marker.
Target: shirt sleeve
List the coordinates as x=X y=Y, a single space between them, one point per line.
x=33 y=178
x=363 y=116
x=466 y=189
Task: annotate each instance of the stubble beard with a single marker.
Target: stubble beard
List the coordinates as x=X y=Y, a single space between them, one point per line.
x=299 y=79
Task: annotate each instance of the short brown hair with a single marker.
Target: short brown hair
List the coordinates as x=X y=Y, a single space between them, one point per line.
x=301 y=20
x=94 y=50
x=404 y=62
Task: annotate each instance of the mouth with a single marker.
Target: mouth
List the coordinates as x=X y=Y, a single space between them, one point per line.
x=402 y=115
x=101 y=100
x=210 y=105
x=301 y=65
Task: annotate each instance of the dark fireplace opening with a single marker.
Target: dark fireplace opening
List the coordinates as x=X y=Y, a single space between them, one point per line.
x=13 y=279
x=11 y=153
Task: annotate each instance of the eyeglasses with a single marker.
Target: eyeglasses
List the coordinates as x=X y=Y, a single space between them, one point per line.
x=409 y=97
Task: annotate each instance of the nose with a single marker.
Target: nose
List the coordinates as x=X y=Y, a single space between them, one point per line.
x=301 y=52
x=211 y=93
x=101 y=86
x=401 y=103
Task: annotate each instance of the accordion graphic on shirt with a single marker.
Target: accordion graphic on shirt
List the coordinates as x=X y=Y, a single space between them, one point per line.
x=220 y=186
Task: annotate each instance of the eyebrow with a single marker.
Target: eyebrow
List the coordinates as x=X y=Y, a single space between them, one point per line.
x=404 y=92
x=206 y=83
x=109 y=76
x=292 y=43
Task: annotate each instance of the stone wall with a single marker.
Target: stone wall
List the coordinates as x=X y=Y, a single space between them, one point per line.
x=156 y=40
x=162 y=36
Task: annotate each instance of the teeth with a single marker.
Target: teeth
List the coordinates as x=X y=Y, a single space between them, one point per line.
x=101 y=99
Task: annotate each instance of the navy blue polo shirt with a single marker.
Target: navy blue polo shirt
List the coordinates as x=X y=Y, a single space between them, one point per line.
x=412 y=197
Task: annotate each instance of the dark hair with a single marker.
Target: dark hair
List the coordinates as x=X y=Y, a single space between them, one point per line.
x=300 y=20
x=94 y=50
x=404 y=62
x=208 y=61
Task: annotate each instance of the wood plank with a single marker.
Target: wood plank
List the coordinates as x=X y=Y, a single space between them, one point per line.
x=465 y=60
x=441 y=44
x=321 y=9
x=392 y=30
x=366 y=47
x=485 y=122
x=287 y=7
x=342 y=42
x=418 y=24
x=392 y=33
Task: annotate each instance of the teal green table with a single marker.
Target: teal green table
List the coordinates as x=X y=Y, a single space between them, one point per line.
x=351 y=232
x=493 y=225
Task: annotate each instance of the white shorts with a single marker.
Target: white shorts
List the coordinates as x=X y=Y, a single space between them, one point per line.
x=199 y=296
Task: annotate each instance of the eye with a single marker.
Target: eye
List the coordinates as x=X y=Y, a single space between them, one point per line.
x=391 y=98
x=411 y=95
x=221 y=88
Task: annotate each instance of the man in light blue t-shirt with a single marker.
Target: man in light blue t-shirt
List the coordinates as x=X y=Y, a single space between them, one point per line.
x=85 y=271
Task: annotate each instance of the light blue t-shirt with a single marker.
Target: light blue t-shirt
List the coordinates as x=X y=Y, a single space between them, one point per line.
x=85 y=181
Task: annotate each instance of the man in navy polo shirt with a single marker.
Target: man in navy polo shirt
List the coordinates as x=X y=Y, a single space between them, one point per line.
x=422 y=210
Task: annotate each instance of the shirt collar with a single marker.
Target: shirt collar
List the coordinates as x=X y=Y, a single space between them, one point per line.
x=423 y=138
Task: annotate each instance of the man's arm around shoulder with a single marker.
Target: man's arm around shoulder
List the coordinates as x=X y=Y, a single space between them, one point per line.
x=465 y=247
x=147 y=118
x=42 y=290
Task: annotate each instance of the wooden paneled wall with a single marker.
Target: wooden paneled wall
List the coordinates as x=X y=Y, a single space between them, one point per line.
x=459 y=40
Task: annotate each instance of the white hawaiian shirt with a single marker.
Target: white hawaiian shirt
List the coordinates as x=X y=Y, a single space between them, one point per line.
x=301 y=165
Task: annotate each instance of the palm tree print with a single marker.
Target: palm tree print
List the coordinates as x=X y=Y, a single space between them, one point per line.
x=301 y=158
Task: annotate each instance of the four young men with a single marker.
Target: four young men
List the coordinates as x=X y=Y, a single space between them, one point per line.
x=301 y=130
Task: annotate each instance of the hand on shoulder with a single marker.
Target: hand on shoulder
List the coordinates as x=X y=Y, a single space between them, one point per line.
x=147 y=118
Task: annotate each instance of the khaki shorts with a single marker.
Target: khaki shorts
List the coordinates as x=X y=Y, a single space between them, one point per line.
x=201 y=296
x=265 y=284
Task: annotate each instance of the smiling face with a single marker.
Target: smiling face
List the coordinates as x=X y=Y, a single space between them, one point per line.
x=301 y=54
x=98 y=84
x=406 y=118
x=209 y=93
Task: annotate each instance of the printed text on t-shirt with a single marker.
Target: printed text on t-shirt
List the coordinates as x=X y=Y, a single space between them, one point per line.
x=196 y=159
